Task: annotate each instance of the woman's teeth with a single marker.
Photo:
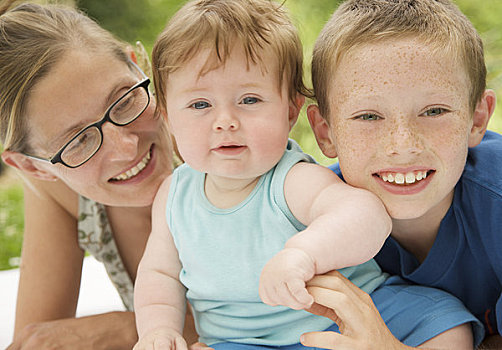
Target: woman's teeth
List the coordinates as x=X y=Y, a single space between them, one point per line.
x=401 y=179
x=134 y=170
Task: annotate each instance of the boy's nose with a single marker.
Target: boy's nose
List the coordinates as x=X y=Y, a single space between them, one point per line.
x=403 y=139
x=226 y=121
x=119 y=142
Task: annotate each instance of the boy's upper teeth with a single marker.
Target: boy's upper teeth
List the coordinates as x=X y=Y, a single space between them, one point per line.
x=402 y=178
x=134 y=170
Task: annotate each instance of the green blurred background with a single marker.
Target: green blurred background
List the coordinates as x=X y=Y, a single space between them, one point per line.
x=133 y=20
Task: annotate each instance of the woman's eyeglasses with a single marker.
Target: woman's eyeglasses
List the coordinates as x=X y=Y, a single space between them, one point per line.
x=88 y=141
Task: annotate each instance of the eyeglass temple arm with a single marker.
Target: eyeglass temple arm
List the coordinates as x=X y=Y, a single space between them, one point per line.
x=138 y=69
x=38 y=158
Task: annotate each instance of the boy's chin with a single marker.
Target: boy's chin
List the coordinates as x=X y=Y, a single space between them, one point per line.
x=405 y=212
x=428 y=210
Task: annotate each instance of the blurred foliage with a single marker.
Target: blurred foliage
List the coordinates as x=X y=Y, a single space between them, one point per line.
x=485 y=15
x=11 y=224
x=133 y=20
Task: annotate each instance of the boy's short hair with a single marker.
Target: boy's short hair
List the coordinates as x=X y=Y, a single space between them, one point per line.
x=258 y=25
x=437 y=23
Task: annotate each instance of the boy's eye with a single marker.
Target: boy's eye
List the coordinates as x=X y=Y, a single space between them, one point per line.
x=432 y=112
x=200 y=105
x=249 y=100
x=368 y=116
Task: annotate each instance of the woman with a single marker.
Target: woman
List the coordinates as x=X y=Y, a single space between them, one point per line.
x=78 y=122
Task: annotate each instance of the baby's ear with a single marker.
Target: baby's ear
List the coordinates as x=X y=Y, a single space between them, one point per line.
x=294 y=109
x=321 y=130
x=27 y=165
x=481 y=117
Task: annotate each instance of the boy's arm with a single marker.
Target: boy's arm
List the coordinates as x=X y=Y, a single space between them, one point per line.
x=347 y=226
x=159 y=296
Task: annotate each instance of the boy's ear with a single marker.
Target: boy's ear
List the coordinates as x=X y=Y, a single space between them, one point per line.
x=27 y=165
x=294 y=109
x=481 y=117
x=321 y=131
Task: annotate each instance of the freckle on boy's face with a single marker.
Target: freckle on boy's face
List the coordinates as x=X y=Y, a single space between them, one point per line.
x=400 y=124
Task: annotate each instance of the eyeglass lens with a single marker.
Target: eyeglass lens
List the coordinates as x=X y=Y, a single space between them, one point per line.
x=123 y=112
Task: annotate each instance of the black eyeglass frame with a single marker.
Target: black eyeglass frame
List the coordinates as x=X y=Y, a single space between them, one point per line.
x=98 y=125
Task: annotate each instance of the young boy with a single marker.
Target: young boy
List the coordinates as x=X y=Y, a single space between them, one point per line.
x=402 y=104
x=249 y=215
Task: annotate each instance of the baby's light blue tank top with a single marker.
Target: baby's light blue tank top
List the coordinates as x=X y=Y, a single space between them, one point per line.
x=223 y=251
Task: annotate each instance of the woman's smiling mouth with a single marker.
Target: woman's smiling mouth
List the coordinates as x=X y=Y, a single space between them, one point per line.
x=135 y=170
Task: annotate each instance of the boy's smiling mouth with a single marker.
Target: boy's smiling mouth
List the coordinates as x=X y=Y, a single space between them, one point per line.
x=404 y=178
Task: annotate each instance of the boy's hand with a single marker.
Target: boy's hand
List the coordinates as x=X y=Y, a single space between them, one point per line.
x=359 y=322
x=282 y=281
x=162 y=339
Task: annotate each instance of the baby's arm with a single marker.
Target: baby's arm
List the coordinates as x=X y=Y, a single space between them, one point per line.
x=159 y=296
x=347 y=226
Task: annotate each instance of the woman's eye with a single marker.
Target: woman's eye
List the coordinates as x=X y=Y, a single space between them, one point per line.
x=79 y=142
x=368 y=116
x=123 y=106
x=200 y=105
x=249 y=100
x=432 y=112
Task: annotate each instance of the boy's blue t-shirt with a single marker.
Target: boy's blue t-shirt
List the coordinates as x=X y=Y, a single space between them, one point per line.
x=466 y=258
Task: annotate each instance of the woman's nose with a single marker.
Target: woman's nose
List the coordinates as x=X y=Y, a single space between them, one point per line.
x=120 y=143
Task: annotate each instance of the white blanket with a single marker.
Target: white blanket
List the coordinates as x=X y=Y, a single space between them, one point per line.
x=97 y=295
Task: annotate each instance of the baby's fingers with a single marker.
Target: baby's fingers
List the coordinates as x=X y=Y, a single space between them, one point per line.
x=180 y=344
x=299 y=292
x=274 y=295
x=142 y=346
x=165 y=344
x=265 y=291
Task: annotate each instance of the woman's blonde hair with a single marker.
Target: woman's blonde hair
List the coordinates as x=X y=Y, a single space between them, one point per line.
x=33 y=39
x=217 y=25
x=437 y=23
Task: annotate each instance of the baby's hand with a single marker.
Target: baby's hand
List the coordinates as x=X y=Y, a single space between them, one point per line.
x=163 y=338
x=282 y=281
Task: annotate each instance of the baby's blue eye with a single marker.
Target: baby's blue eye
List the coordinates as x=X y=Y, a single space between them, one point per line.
x=249 y=100
x=368 y=116
x=200 y=105
x=432 y=112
